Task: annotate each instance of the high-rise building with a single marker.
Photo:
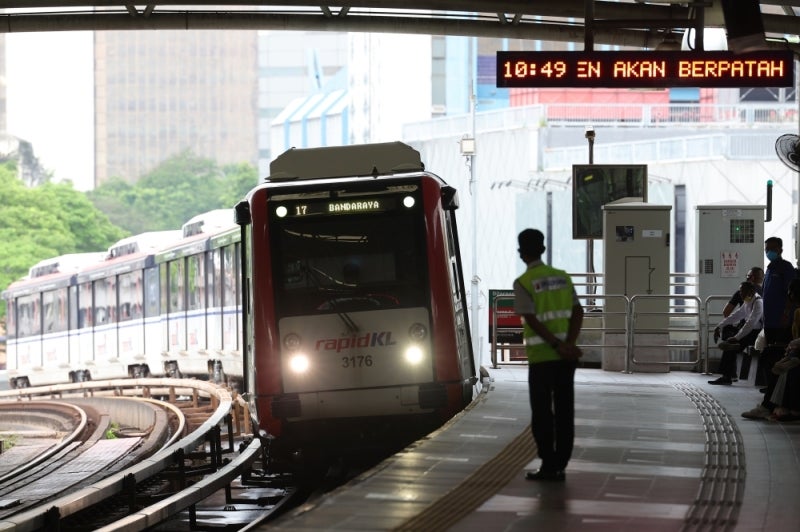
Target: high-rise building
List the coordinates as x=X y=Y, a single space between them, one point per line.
x=292 y=65
x=160 y=93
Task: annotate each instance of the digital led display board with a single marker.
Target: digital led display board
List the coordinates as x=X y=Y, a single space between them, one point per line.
x=645 y=69
x=364 y=205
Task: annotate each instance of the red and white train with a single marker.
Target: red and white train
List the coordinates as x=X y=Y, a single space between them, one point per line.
x=356 y=315
x=354 y=322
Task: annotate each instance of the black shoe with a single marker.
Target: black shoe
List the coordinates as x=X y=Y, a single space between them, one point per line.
x=762 y=390
x=721 y=380
x=550 y=476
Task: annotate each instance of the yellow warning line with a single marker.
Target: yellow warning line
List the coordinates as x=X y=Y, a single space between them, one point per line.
x=477 y=488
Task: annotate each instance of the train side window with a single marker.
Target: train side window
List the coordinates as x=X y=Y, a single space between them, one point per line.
x=54 y=310
x=197 y=282
x=130 y=295
x=177 y=286
x=86 y=316
x=216 y=272
x=151 y=293
x=164 y=286
x=237 y=274
x=211 y=279
x=229 y=277
x=28 y=316
x=105 y=300
x=72 y=302
x=455 y=280
x=11 y=318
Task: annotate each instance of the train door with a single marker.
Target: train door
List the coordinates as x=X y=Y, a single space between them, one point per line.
x=73 y=342
x=230 y=299
x=29 y=328
x=130 y=316
x=85 y=352
x=176 y=306
x=11 y=335
x=55 y=348
x=153 y=333
x=214 y=297
x=196 y=303
x=106 y=341
x=463 y=336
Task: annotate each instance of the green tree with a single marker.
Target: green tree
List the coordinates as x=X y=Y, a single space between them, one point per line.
x=239 y=179
x=181 y=187
x=117 y=198
x=43 y=222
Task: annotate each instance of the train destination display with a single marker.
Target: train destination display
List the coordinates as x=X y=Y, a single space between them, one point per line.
x=645 y=69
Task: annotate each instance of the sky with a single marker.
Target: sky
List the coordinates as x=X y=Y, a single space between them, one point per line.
x=49 y=78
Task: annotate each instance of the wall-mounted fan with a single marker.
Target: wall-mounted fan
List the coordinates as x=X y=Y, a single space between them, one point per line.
x=788 y=149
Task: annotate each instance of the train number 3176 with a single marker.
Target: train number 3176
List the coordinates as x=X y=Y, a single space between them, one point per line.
x=357 y=361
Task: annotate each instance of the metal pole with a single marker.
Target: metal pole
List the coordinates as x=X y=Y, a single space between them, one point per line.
x=474 y=292
x=590 y=279
x=797 y=220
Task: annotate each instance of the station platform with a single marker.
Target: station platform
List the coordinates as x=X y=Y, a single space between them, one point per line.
x=653 y=451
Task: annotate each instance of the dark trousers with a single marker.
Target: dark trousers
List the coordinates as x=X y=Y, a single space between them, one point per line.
x=552 y=395
x=727 y=364
x=776 y=338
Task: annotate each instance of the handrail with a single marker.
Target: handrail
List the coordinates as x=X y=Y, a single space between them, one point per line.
x=636 y=332
x=597 y=311
x=690 y=307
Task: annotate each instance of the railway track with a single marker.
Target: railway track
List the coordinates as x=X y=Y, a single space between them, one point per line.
x=188 y=460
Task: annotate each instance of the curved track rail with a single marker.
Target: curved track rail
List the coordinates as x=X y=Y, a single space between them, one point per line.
x=69 y=413
x=198 y=454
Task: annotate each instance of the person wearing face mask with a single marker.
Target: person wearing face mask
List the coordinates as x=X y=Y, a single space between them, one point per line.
x=778 y=311
x=756 y=276
x=752 y=312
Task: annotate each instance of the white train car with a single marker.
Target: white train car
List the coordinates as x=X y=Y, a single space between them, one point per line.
x=120 y=310
x=200 y=295
x=42 y=321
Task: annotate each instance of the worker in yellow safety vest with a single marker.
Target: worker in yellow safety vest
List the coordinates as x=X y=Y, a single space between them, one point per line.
x=551 y=317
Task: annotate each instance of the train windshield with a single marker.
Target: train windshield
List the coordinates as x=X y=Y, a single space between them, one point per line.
x=353 y=255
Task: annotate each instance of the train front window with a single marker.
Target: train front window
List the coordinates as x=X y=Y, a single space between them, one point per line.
x=350 y=262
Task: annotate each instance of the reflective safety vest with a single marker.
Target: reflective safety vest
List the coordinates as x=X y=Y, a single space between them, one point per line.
x=552 y=293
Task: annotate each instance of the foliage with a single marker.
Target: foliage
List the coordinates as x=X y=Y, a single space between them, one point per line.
x=45 y=221
x=178 y=189
x=9 y=441
x=54 y=219
x=112 y=431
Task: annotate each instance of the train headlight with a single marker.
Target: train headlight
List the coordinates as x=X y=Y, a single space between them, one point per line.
x=299 y=363
x=413 y=355
x=291 y=342
x=418 y=332
x=281 y=211
x=409 y=201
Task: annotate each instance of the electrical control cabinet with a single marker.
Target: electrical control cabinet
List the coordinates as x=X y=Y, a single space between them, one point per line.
x=730 y=241
x=636 y=257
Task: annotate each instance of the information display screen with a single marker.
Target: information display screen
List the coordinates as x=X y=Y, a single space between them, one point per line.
x=333 y=207
x=645 y=69
x=594 y=185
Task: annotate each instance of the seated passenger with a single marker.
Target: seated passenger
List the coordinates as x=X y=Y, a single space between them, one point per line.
x=752 y=312
x=756 y=276
x=786 y=395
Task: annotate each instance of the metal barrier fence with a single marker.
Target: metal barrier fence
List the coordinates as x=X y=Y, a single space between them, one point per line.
x=678 y=331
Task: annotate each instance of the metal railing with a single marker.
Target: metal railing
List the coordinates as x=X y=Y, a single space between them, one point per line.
x=660 y=115
x=678 y=326
x=679 y=338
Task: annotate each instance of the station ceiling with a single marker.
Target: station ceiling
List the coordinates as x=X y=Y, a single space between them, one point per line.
x=639 y=24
